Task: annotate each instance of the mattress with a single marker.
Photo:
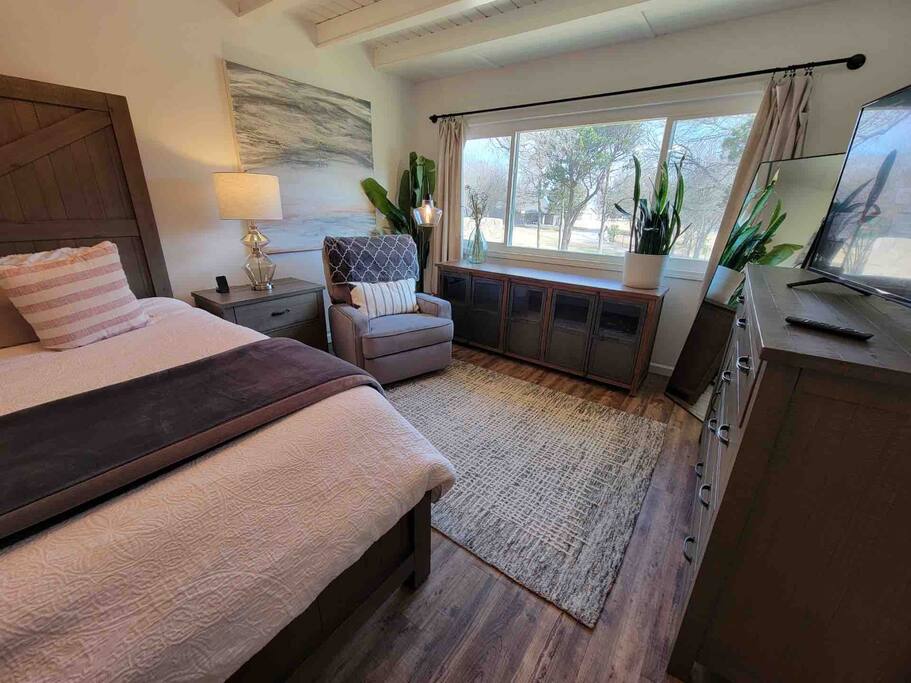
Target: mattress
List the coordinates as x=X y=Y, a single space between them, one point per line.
x=189 y=575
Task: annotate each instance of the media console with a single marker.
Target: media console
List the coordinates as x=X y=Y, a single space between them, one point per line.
x=588 y=326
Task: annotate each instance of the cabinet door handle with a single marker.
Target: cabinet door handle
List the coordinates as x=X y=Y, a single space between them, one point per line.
x=686 y=543
x=705 y=488
x=713 y=425
x=275 y=314
x=744 y=364
x=699 y=467
x=742 y=323
x=726 y=376
x=723 y=432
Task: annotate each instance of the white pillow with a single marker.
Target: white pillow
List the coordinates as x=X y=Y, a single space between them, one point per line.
x=384 y=298
x=72 y=296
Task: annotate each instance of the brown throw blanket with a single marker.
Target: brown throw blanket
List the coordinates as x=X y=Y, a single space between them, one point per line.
x=62 y=455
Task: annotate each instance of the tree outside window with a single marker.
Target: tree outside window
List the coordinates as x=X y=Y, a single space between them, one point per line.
x=566 y=181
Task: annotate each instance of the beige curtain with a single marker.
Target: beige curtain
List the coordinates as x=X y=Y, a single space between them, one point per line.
x=446 y=240
x=779 y=131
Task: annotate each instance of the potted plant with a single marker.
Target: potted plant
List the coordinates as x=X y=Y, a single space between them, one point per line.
x=654 y=228
x=418 y=183
x=476 y=248
x=748 y=243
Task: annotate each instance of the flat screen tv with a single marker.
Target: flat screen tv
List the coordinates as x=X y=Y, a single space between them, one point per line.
x=865 y=240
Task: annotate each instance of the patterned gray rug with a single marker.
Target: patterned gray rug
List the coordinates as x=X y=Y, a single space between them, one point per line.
x=548 y=485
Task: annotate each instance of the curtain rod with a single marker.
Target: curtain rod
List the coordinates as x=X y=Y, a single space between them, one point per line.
x=853 y=62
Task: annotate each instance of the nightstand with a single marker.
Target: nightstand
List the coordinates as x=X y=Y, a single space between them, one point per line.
x=292 y=308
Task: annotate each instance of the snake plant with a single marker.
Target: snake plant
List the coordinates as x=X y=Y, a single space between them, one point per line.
x=748 y=242
x=655 y=226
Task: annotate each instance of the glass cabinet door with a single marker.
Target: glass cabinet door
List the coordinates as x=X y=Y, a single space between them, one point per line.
x=526 y=318
x=615 y=343
x=454 y=288
x=570 y=329
x=484 y=313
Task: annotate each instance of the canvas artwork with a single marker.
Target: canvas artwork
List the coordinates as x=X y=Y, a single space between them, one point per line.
x=320 y=145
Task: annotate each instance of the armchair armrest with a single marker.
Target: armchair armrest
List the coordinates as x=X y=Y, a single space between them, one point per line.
x=348 y=325
x=432 y=305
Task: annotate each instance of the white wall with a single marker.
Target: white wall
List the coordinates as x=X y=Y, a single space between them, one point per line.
x=877 y=28
x=165 y=57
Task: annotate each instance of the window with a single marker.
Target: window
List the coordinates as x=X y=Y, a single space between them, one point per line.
x=485 y=167
x=556 y=188
x=713 y=147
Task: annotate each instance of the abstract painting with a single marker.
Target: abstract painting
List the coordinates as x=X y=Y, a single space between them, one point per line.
x=320 y=145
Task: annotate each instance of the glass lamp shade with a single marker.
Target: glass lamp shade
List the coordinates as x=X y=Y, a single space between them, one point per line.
x=427 y=214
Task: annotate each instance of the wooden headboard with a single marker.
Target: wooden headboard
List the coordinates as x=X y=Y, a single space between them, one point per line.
x=70 y=175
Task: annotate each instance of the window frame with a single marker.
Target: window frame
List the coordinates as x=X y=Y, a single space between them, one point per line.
x=730 y=104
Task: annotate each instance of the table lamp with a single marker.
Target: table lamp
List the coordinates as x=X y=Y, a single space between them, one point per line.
x=251 y=197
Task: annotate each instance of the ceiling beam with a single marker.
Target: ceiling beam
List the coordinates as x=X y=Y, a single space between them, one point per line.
x=246 y=6
x=542 y=18
x=384 y=17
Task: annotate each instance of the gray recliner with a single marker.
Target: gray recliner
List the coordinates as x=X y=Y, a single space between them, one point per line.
x=392 y=347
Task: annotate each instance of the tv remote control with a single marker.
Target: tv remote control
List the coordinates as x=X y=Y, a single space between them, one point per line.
x=829 y=327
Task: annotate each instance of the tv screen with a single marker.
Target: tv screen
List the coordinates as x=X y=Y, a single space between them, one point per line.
x=865 y=240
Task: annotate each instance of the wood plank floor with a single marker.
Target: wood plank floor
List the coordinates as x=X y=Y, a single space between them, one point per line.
x=469 y=622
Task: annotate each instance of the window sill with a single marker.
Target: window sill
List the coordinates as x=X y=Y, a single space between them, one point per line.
x=677 y=268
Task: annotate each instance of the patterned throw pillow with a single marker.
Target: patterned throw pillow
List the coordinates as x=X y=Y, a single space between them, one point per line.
x=72 y=296
x=384 y=298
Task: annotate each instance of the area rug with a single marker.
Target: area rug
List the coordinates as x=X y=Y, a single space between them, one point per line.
x=548 y=485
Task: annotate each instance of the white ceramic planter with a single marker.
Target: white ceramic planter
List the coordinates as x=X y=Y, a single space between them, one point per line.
x=724 y=282
x=643 y=271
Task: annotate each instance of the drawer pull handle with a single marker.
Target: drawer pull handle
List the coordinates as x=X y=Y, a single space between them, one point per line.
x=686 y=543
x=699 y=467
x=275 y=314
x=742 y=323
x=744 y=364
x=726 y=376
x=723 y=432
x=713 y=425
x=705 y=488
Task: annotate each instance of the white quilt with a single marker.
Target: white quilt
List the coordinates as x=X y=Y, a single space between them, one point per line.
x=189 y=575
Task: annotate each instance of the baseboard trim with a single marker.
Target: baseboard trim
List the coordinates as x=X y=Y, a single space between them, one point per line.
x=660 y=369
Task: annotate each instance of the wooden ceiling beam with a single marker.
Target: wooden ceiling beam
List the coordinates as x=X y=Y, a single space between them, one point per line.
x=530 y=21
x=246 y=6
x=385 y=17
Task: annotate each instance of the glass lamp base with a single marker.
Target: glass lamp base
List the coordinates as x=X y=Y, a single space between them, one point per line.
x=260 y=269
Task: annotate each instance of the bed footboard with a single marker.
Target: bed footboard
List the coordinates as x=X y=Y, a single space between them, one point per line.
x=304 y=646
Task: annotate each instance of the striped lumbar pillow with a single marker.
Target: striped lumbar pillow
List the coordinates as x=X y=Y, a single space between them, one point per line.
x=72 y=296
x=384 y=298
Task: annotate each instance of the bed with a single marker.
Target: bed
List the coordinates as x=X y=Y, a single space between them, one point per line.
x=252 y=561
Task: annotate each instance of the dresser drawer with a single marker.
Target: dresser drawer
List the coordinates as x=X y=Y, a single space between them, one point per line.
x=745 y=361
x=276 y=313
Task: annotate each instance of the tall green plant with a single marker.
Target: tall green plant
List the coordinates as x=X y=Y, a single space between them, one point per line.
x=749 y=241
x=656 y=226
x=418 y=182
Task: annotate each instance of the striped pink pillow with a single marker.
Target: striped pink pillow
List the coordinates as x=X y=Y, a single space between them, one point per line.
x=72 y=296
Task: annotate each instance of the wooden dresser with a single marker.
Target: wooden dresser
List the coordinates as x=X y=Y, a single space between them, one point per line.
x=799 y=549
x=588 y=326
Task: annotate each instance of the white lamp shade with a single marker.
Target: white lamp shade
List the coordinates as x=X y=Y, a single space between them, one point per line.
x=248 y=196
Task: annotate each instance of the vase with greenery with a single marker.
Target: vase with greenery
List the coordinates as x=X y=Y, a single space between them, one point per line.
x=749 y=243
x=418 y=183
x=655 y=226
x=476 y=249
